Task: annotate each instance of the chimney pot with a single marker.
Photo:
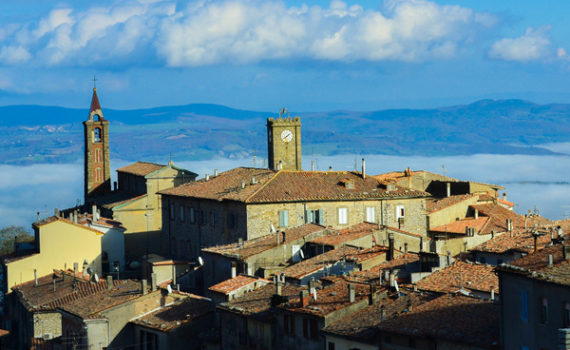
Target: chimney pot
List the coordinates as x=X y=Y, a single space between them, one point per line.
x=550 y=260
x=215 y=172
x=36 y=277
x=448 y=189
x=94 y=213
x=144 y=286
x=304 y=298
x=363 y=169
x=234 y=269
x=207 y=177
x=330 y=167
x=278 y=287
x=351 y=293
x=153 y=281
x=242 y=183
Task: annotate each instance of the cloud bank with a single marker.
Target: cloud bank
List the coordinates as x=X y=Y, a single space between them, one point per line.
x=533 y=45
x=212 y=32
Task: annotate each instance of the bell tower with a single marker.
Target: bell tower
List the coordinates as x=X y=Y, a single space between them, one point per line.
x=97 y=160
x=284 y=142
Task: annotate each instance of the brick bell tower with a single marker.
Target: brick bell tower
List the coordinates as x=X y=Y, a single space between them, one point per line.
x=97 y=159
x=284 y=142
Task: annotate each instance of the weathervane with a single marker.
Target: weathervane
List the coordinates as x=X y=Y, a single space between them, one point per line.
x=94 y=82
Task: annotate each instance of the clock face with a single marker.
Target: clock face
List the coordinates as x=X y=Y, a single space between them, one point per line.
x=286 y=135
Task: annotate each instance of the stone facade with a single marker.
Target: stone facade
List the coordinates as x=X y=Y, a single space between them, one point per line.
x=284 y=143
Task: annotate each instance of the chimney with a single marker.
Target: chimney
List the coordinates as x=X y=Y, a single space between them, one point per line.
x=448 y=258
x=278 y=287
x=448 y=188
x=476 y=214
x=144 y=286
x=240 y=242
x=94 y=213
x=504 y=196
x=390 y=246
x=312 y=165
x=492 y=294
x=153 y=281
x=242 y=183
x=405 y=247
x=304 y=298
x=372 y=297
x=38 y=214
x=115 y=186
x=382 y=313
x=550 y=260
x=109 y=282
x=56 y=212
x=311 y=285
x=330 y=167
x=36 y=277
x=233 y=269
x=207 y=177
x=75 y=215
x=363 y=169
x=351 y=293
x=392 y=279
x=215 y=172
x=253 y=181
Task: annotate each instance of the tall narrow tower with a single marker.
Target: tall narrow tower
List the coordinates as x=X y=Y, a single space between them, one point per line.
x=97 y=159
x=284 y=142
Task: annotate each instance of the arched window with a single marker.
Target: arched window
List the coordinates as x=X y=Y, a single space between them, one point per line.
x=98 y=175
x=97 y=135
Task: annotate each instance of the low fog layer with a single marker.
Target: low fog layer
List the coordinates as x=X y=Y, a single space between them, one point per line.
x=532 y=182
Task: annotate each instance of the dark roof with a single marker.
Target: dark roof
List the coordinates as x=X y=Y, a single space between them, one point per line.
x=318 y=262
x=288 y=186
x=258 y=301
x=362 y=325
x=233 y=284
x=258 y=245
x=141 y=168
x=536 y=266
x=177 y=314
x=454 y=318
x=67 y=289
x=95 y=105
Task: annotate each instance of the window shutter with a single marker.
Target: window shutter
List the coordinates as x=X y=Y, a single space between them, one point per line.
x=321 y=218
x=309 y=216
x=283 y=218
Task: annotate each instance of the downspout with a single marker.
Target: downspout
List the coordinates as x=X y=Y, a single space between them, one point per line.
x=382 y=212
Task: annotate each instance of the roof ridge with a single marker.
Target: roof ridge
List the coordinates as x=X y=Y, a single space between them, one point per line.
x=263 y=186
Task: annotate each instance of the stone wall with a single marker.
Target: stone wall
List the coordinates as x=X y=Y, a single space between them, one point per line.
x=451 y=213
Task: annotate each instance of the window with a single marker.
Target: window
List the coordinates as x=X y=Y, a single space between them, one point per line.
x=181 y=213
x=566 y=315
x=370 y=214
x=192 y=215
x=97 y=135
x=524 y=305
x=172 y=213
x=400 y=212
x=342 y=216
x=315 y=217
x=283 y=218
x=543 y=310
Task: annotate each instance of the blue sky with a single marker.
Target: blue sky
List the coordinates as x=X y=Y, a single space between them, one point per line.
x=263 y=55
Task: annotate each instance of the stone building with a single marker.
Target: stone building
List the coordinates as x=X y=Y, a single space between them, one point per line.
x=235 y=287
x=248 y=203
x=284 y=142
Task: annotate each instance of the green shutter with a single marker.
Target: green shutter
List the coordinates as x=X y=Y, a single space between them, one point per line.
x=309 y=216
x=321 y=217
x=283 y=218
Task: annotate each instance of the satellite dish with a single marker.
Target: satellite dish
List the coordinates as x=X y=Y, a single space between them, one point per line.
x=200 y=261
x=273 y=230
x=169 y=289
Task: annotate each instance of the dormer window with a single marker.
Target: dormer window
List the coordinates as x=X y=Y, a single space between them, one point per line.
x=97 y=135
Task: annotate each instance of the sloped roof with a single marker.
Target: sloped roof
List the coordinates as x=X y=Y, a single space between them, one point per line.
x=519 y=241
x=233 y=284
x=460 y=274
x=258 y=301
x=498 y=216
x=95 y=105
x=454 y=318
x=318 y=262
x=336 y=237
x=141 y=168
x=459 y=226
x=288 y=186
x=255 y=246
x=438 y=204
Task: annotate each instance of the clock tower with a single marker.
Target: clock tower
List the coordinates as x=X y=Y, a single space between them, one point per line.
x=97 y=160
x=284 y=142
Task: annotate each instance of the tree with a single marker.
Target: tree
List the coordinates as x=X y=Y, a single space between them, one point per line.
x=9 y=235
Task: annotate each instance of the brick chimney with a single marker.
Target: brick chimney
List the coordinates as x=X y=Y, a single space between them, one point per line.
x=351 y=293
x=234 y=269
x=363 y=169
x=390 y=246
x=304 y=298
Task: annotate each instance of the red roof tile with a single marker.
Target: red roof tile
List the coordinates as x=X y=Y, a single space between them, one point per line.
x=259 y=301
x=95 y=105
x=240 y=281
x=141 y=168
x=478 y=277
x=451 y=317
x=336 y=237
x=459 y=226
x=438 y=204
x=519 y=241
x=318 y=262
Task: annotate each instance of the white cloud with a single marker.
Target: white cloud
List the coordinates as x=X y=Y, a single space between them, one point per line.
x=244 y=31
x=533 y=45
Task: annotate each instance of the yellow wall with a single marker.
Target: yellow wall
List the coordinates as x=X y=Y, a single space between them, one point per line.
x=450 y=214
x=61 y=243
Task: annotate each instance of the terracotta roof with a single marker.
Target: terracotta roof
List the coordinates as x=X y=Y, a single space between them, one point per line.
x=177 y=314
x=318 y=262
x=258 y=301
x=399 y=262
x=498 y=216
x=95 y=105
x=336 y=237
x=473 y=276
x=43 y=298
x=535 y=265
x=505 y=202
x=287 y=186
x=403 y=231
x=394 y=175
x=53 y=219
x=233 y=284
x=329 y=299
x=434 y=205
x=255 y=246
x=366 y=254
x=362 y=325
x=459 y=226
x=85 y=219
x=454 y=318
x=141 y=168
x=519 y=241
x=91 y=305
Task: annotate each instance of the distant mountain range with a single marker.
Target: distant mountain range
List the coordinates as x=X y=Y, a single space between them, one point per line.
x=36 y=134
